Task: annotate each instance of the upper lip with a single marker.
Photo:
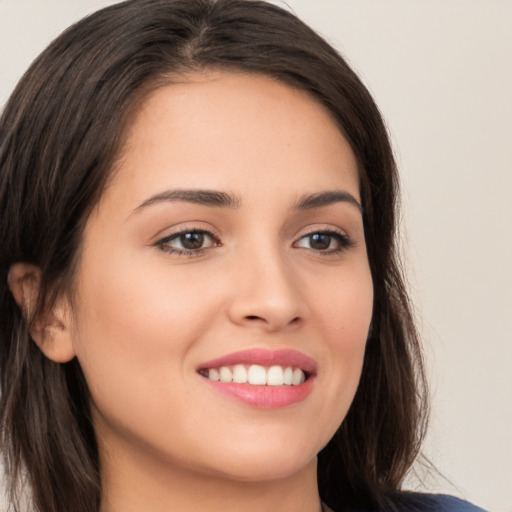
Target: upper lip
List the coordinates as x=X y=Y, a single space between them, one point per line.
x=264 y=357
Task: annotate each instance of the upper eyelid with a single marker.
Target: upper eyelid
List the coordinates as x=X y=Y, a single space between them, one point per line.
x=193 y=230
x=328 y=232
x=167 y=234
x=321 y=228
x=215 y=234
x=344 y=239
x=164 y=243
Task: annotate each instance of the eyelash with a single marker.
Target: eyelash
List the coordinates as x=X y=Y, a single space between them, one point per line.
x=344 y=242
x=163 y=244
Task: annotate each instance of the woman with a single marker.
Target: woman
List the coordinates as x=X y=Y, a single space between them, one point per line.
x=201 y=302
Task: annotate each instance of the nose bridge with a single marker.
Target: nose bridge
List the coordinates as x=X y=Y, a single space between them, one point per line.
x=266 y=292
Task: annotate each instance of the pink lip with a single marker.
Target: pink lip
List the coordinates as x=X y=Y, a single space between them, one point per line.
x=264 y=357
x=267 y=397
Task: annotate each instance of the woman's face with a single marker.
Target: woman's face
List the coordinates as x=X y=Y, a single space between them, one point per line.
x=229 y=244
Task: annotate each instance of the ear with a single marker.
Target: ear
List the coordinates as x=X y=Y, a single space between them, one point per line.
x=51 y=330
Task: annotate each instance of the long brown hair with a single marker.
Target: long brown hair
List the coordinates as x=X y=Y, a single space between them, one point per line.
x=59 y=137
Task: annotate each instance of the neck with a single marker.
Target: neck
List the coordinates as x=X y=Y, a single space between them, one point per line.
x=134 y=482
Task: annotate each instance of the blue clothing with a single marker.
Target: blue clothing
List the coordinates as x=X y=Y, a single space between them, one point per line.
x=422 y=502
x=441 y=503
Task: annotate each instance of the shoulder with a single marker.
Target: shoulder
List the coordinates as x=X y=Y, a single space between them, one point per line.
x=422 y=502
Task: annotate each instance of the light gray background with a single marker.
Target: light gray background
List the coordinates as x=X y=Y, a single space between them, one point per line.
x=441 y=71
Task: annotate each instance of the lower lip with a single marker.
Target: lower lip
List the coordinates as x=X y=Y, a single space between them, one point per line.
x=265 y=397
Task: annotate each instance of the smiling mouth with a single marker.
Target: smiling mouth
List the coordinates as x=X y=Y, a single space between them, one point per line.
x=261 y=378
x=257 y=375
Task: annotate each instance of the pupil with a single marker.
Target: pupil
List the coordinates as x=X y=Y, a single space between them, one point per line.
x=319 y=241
x=192 y=240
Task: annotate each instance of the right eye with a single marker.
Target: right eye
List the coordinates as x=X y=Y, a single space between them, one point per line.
x=188 y=242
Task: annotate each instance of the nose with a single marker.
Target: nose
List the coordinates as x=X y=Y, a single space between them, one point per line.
x=267 y=293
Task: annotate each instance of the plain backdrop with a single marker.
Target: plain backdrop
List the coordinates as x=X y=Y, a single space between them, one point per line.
x=441 y=72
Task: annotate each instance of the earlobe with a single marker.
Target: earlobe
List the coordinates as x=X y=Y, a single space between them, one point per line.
x=51 y=329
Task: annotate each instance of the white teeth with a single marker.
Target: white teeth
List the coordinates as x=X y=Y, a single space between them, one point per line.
x=257 y=375
x=298 y=377
x=275 y=376
x=239 y=374
x=213 y=374
x=288 y=376
x=225 y=374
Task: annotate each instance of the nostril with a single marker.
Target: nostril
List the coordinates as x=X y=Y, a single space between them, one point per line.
x=253 y=318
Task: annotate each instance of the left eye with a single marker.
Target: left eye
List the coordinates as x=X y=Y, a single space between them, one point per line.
x=188 y=242
x=325 y=241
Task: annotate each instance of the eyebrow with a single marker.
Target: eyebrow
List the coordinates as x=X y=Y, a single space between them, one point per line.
x=210 y=198
x=310 y=201
x=217 y=199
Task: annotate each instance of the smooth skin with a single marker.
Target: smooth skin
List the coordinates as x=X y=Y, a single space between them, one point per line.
x=151 y=304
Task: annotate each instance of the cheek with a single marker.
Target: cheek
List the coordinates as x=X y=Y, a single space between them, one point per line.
x=140 y=300
x=344 y=309
x=343 y=315
x=136 y=327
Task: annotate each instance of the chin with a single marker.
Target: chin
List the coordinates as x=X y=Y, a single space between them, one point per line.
x=264 y=461
x=267 y=469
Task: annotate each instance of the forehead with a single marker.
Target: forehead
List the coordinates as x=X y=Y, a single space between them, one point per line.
x=218 y=129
